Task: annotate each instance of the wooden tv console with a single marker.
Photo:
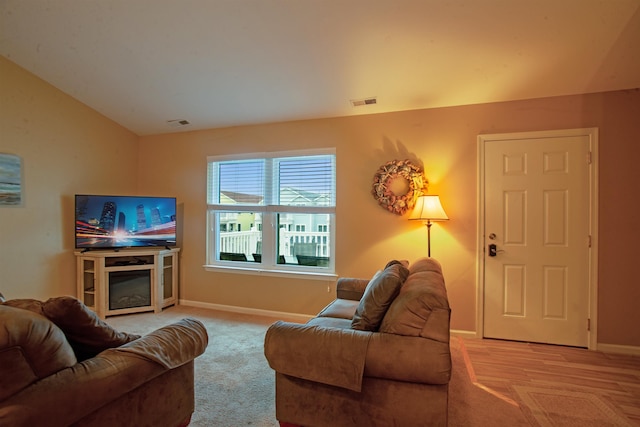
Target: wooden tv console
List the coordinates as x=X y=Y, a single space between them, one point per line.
x=127 y=281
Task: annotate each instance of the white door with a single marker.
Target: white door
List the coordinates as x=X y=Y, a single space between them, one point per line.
x=537 y=238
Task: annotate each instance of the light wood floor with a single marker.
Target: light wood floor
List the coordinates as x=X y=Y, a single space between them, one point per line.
x=498 y=365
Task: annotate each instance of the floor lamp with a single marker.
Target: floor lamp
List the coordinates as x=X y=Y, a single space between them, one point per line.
x=427 y=209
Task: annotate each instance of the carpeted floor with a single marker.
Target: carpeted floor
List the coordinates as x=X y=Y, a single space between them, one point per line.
x=235 y=386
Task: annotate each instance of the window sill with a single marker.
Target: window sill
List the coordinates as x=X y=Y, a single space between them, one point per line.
x=306 y=274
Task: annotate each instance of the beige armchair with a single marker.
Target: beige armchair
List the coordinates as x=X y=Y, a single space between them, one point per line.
x=60 y=365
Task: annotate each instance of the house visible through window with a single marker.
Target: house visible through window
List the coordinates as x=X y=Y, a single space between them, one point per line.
x=273 y=211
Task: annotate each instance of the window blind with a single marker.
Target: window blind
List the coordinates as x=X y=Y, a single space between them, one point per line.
x=287 y=181
x=306 y=181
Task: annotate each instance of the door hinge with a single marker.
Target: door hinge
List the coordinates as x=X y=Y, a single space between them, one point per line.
x=589 y=240
x=588 y=324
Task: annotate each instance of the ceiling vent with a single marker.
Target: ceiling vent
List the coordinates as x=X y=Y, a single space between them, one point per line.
x=178 y=123
x=366 y=101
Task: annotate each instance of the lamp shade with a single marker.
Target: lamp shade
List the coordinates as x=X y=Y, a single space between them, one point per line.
x=429 y=208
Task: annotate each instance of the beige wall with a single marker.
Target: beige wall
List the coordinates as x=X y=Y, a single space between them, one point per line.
x=68 y=149
x=445 y=141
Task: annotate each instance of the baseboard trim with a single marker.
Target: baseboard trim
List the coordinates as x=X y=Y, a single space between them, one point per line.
x=616 y=348
x=605 y=348
x=464 y=334
x=302 y=318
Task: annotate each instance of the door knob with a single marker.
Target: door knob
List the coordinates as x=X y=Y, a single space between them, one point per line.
x=493 y=249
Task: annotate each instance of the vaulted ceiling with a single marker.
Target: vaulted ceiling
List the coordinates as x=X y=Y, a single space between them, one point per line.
x=218 y=63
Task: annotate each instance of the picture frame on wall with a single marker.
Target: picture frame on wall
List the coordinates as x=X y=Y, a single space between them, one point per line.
x=10 y=180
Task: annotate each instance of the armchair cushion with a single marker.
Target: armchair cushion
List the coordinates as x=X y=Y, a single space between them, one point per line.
x=379 y=294
x=31 y=348
x=85 y=331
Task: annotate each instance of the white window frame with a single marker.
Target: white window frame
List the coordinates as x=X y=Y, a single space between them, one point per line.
x=268 y=265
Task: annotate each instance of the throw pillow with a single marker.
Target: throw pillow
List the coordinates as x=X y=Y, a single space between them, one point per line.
x=380 y=292
x=86 y=332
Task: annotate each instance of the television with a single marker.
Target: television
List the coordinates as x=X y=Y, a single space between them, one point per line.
x=113 y=222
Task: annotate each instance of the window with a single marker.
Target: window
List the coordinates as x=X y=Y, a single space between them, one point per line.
x=272 y=211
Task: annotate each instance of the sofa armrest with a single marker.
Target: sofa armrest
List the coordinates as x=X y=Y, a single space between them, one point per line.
x=406 y=358
x=351 y=288
x=321 y=354
x=72 y=393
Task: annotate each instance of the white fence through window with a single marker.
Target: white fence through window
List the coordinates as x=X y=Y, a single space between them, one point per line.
x=291 y=244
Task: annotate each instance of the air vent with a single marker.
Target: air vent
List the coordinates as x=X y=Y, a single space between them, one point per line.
x=178 y=123
x=366 y=101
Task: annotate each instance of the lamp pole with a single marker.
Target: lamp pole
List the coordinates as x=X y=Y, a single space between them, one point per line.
x=429 y=238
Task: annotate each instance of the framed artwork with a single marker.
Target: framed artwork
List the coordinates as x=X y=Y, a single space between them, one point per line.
x=10 y=180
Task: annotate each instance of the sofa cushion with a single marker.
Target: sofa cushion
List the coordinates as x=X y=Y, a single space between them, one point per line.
x=421 y=309
x=85 y=331
x=330 y=322
x=31 y=348
x=380 y=292
x=340 y=308
x=350 y=288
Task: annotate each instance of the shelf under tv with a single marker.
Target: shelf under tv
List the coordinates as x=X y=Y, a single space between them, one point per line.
x=127 y=281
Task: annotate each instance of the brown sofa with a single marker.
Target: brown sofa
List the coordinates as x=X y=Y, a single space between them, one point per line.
x=378 y=355
x=60 y=365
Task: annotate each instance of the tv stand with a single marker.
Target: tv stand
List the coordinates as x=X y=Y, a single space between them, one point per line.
x=112 y=282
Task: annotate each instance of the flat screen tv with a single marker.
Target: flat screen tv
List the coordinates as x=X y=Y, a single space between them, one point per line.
x=112 y=222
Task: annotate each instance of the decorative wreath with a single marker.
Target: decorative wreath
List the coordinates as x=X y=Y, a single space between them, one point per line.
x=383 y=179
